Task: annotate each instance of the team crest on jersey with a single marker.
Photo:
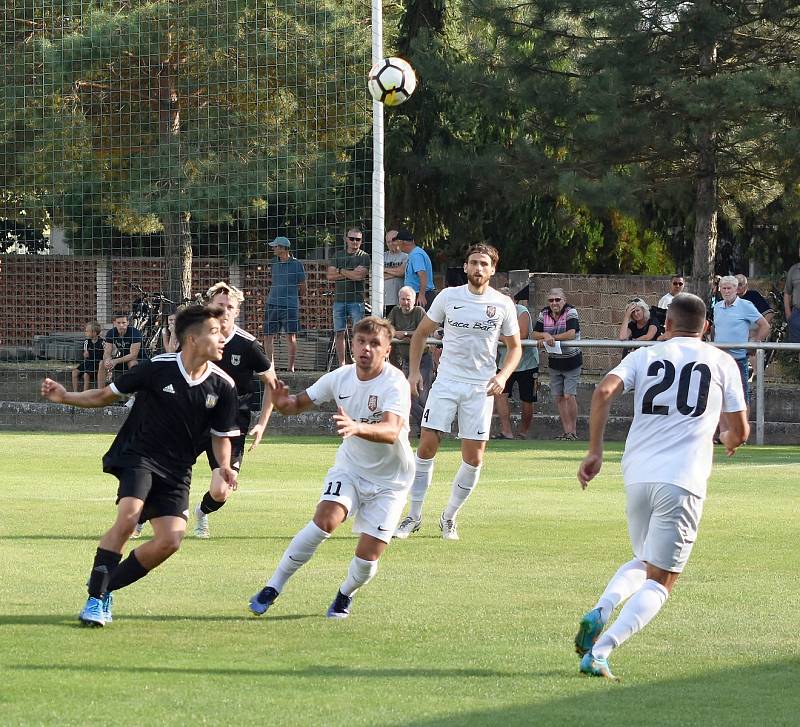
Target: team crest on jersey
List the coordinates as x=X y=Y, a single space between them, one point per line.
x=236 y=359
x=491 y=311
x=372 y=403
x=211 y=401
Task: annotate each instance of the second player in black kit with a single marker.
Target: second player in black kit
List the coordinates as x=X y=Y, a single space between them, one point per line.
x=244 y=361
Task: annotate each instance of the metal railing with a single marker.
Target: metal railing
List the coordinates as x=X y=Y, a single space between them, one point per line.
x=759 y=348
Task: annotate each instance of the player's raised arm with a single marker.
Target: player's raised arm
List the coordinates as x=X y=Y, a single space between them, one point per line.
x=287 y=403
x=89 y=399
x=605 y=392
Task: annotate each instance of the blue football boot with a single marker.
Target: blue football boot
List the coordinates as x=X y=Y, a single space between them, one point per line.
x=340 y=608
x=593 y=666
x=588 y=631
x=92 y=613
x=263 y=600
x=108 y=601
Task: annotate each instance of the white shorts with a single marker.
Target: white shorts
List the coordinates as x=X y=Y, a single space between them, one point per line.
x=469 y=401
x=662 y=523
x=376 y=509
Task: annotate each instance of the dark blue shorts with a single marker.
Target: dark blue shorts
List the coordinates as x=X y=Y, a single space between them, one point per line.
x=278 y=318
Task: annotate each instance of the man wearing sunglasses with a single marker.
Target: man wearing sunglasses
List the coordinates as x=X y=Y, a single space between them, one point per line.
x=348 y=269
x=557 y=323
x=676 y=286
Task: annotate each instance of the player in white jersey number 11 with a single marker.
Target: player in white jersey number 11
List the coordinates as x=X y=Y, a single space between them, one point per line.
x=475 y=317
x=681 y=388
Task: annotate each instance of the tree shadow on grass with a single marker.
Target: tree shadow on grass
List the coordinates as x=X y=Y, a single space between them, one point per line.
x=335 y=670
x=71 y=620
x=741 y=695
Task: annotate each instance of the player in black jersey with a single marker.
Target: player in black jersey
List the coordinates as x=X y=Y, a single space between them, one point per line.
x=242 y=359
x=181 y=397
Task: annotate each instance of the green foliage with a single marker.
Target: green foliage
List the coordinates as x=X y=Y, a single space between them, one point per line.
x=116 y=116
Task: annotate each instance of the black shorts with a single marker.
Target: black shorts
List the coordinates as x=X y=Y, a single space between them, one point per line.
x=237 y=452
x=162 y=498
x=526 y=381
x=87 y=366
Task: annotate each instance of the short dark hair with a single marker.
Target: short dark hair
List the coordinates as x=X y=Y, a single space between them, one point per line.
x=687 y=313
x=122 y=314
x=192 y=317
x=405 y=235
x=373 y=324
x=483 y=249
x=677 y=275
x=354 y=228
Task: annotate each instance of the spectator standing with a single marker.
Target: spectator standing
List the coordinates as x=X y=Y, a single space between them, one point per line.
x=394 y=271
x=637 y=324
x=419 y=269
x=92 y=357
x=287 y=284
x=526 y=375
x=349 y=269
x=758 y=300
x=791 y=302
x=122 y=349
x=733 y=319
x=557 y=322
x=405 y=317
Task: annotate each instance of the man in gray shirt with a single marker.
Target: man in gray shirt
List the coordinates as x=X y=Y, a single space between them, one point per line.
x=348 y=269
x=394 y=271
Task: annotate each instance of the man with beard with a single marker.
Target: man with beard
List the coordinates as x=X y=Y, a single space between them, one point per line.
x=474 y=316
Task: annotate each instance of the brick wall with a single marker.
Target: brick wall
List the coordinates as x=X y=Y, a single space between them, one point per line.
x=50 y=294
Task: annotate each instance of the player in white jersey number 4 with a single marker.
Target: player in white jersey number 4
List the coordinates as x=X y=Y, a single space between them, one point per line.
x=374 y=464
x=681 y=386
x=475 y=316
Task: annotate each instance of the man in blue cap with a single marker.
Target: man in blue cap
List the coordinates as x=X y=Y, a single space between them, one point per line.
x=287 y=284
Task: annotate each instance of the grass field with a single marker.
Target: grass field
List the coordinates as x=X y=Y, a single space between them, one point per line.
x=469 y=633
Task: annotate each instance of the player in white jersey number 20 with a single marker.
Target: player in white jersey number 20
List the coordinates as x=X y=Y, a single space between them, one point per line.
x=475 y=316
x=374 y=464
x=681 y=387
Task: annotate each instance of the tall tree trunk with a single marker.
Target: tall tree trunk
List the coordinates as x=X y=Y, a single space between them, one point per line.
x=177 y=277
x=706 y=203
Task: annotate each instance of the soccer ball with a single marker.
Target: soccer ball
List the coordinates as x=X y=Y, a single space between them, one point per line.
x=392 y=81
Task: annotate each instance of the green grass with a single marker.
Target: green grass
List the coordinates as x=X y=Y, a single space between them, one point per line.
x=469 y=633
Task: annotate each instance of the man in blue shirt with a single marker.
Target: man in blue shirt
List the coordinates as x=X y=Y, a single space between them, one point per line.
x=733 y=319
x=287 y=284
x=419 y=270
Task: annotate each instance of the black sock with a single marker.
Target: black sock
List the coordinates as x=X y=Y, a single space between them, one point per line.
x=105 y=562
x=127 y=572
x=209 y=504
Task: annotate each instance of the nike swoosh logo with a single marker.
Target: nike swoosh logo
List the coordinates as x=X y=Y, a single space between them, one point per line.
x=481 y=432
x=457 y=485
x=383 y=530
x=345 y=397
x=295 y=559
x=457 y=307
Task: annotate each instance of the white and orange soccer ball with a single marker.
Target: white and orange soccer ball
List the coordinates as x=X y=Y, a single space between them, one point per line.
x=392 y=81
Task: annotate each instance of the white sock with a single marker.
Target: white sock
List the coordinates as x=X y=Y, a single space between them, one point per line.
x=639 y=611
x=359 y=574
x=463 y=484
x=422 y=481
x=628 y=579
x=299 y=552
